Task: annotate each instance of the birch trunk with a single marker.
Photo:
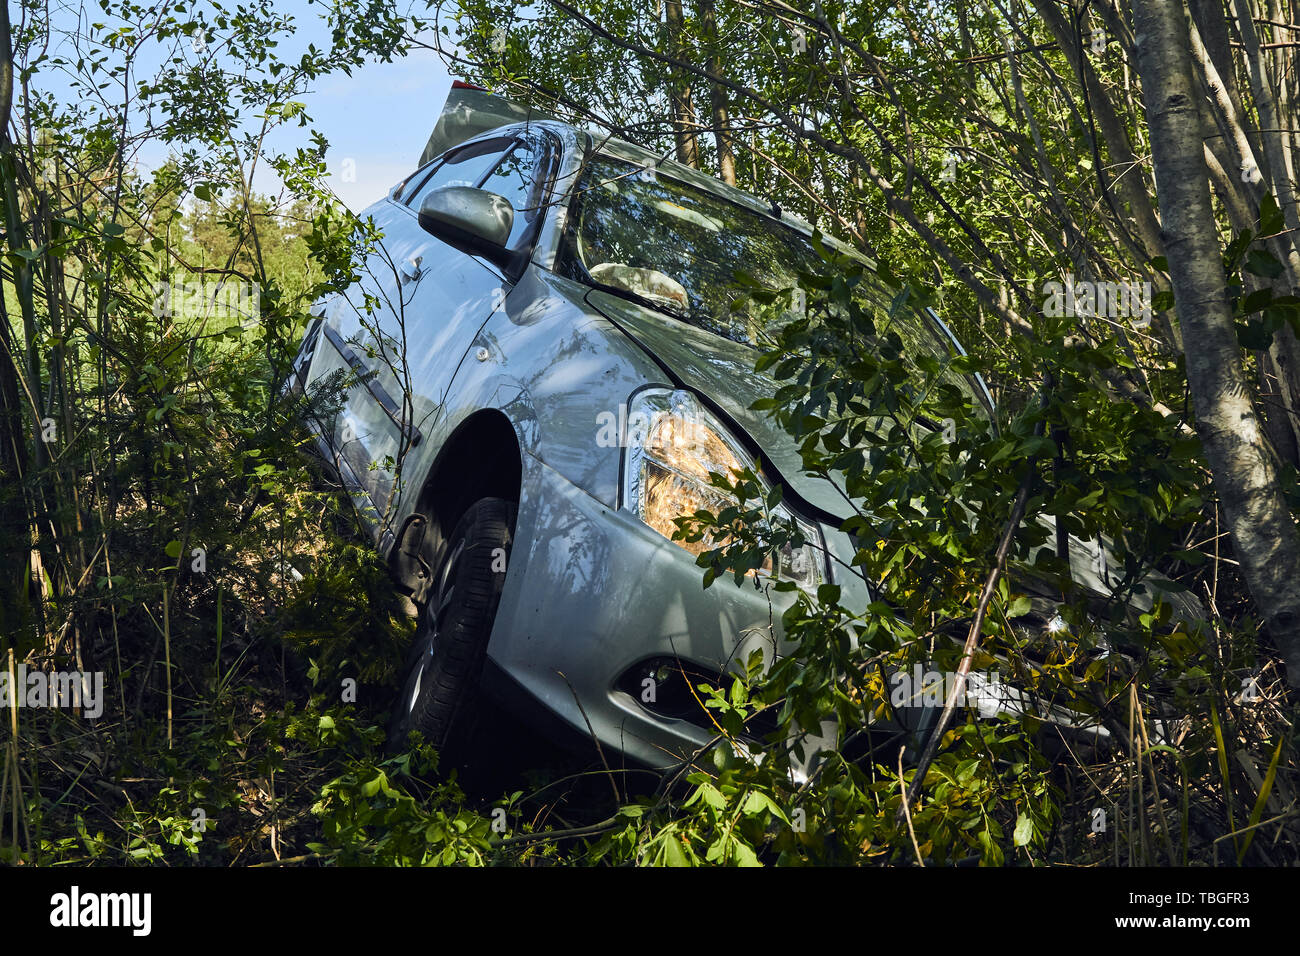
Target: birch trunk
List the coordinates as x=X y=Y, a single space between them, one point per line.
x=1245 y=475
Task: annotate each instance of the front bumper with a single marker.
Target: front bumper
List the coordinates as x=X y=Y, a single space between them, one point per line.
x=592 y=593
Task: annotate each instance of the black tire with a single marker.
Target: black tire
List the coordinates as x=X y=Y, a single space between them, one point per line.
x=446 y=660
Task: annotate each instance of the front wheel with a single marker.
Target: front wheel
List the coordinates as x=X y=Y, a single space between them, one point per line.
x=451 y=641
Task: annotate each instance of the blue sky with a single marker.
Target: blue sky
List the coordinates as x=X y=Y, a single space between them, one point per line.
x=376 y=120
x=380 y=118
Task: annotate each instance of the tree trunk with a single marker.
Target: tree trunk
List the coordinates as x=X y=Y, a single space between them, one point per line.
x=15 y=536
x=718 y=97
x=679 y=91
x=1245 y=475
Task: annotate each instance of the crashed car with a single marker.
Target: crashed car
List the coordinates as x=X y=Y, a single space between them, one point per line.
x=539 y=374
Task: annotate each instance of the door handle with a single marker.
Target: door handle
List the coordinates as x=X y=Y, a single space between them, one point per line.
x=411 y=267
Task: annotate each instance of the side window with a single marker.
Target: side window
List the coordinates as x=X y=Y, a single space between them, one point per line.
x=464 y=167
x=398 y=191
x=515 y=179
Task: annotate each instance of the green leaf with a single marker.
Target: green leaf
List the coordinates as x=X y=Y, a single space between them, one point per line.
x=372 y=787
x=173 y=549
x=1253 y=335
x=1236 y=249
x=1019 y=607
x=744 y=855
x=1270 y=216
x=674 y=855
x=1024 y=831
x=757 y=803
x=1261 y=263
x=1256 y=301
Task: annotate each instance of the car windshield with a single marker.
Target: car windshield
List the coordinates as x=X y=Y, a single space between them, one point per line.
x=681 y=249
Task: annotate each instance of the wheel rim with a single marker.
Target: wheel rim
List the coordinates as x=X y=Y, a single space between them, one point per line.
x=435 y=616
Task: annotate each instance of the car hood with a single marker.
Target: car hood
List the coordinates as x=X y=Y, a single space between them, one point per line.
x=722 y=372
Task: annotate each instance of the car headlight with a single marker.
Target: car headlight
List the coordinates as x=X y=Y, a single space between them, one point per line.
x=672 y=444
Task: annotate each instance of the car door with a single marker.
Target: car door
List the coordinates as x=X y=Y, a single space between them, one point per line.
x=374 y=425
x=428 y=300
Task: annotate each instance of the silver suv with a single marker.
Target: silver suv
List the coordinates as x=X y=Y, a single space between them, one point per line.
x=540 y=369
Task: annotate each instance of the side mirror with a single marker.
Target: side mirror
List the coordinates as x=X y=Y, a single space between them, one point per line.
x=472 y=220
